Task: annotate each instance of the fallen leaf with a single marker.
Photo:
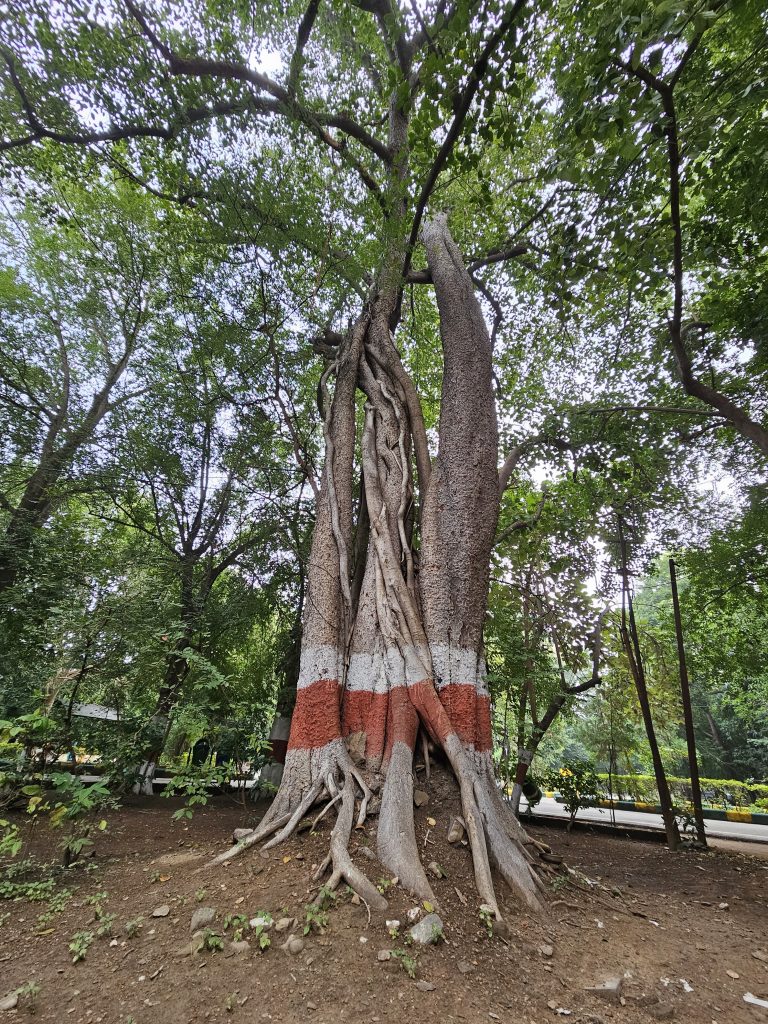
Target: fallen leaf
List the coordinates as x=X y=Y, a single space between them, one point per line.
x=431 y=822
x=287 y=858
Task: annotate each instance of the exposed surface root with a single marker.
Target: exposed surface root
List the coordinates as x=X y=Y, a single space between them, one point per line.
x=342 y=868
x=396 y=836
x=311 y=775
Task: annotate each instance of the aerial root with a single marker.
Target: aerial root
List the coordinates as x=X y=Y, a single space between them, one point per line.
x=310 y=796
x=425 y=752
x=280 y=824
x=342 y=867
x=331 y=803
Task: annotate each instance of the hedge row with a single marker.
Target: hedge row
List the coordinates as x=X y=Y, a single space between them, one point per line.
x=725 y=792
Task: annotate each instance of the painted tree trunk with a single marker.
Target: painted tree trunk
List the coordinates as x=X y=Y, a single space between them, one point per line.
x=404 y=649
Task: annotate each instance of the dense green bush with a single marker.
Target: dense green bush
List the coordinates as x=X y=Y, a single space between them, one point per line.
x=717 y=792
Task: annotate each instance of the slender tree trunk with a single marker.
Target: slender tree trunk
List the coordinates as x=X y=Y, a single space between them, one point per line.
x=631 y=642
x=176 y=671
x=685 y=690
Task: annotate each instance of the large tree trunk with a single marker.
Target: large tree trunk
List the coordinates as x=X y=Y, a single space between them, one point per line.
x=407 y=650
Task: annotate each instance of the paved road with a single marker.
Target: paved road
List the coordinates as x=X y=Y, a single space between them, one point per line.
x=723 y=829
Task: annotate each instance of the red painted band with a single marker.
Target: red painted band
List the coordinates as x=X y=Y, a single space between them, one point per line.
x=315 y=719
x=363 y=711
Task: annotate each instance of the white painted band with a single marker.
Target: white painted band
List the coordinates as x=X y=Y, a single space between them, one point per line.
x=380 y=671
x=319 y=662
x=459 y=666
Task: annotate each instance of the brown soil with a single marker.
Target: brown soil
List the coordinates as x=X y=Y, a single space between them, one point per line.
x=655 y=916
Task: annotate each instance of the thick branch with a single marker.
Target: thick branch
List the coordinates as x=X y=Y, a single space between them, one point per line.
x=694 y=387
x=201 y=67
x=512 y=460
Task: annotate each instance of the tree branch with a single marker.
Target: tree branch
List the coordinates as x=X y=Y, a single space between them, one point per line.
x=462 y=106
x=517 y=453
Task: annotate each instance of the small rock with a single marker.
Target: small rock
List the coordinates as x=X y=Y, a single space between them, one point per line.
x=546 y=950
x=413 y=914
x=355 y=901
x=661 y=1011
x=428 y=930
x=282 y=925
x=294 y=945
x=758 y=954
x=241 y=833
x=383 y=955
x=732 y=974
x=366 y=851
x=465 y=967
x=462 y=897
x=610 y=989
x=363 y=939
x=202 y=917
x=265 y=923
x=420 y=798
x=722 y=906
x=435 y=869
x=425 y=986
x=456 y=830
x=9 y=1002
x=162 y=911
x=392 y=926
x=243 y=946
x=311 y=1006
x=502 y=930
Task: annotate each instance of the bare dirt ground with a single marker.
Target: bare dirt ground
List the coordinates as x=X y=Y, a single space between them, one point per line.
x=687 y=932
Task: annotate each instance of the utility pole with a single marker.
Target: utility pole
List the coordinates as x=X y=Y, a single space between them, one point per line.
x=685 y=689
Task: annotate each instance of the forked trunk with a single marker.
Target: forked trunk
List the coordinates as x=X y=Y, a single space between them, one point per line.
x=403 y=649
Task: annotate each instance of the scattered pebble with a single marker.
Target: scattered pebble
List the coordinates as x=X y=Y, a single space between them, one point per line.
x=162 y=911
x=428 y=931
